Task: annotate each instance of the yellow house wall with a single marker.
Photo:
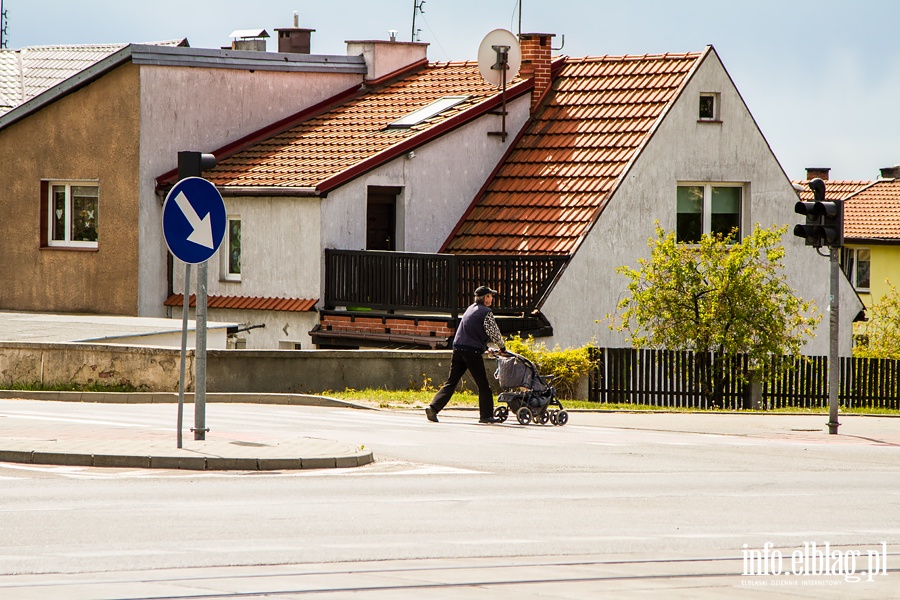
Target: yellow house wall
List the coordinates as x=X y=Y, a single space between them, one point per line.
x=885 y=266
x=91 y=134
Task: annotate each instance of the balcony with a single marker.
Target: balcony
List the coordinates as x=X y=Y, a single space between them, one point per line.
x=404 y=289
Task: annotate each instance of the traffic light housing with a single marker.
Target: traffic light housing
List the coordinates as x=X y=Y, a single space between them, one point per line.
x=192 y=164
x=824 y=219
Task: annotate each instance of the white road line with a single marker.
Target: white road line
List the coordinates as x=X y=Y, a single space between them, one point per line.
x=68 y=420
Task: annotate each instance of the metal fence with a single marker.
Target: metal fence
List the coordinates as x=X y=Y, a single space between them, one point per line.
x=673 y=379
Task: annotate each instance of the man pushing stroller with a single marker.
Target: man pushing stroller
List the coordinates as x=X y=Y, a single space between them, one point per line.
x=476 y=328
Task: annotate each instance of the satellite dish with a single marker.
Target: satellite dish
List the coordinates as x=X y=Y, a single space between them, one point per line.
x=497 y=46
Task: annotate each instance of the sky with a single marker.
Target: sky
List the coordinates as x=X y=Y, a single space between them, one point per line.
x=821 y=78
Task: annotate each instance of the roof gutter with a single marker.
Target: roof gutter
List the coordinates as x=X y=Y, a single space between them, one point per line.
x=166 y=56
x=250 y=191
x=255 y=191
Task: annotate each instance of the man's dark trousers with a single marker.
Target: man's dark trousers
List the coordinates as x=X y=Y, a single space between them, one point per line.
x=462 y=361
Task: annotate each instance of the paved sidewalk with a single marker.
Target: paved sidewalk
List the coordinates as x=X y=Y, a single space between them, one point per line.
x=111 y=445
x=107 y=444
x=879 y=430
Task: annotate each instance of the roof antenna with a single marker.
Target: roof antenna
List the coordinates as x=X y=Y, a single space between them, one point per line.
x=418 y=7
x=4 y=15
x=520 y=18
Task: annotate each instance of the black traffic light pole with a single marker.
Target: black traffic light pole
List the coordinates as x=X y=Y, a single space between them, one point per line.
x=825 y=227
x=834 y=370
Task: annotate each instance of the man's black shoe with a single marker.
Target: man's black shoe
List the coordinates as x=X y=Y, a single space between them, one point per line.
x=490 y=421
x=432 y=416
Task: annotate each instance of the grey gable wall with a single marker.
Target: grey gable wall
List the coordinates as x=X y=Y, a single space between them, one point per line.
x=683 y=150
x=202 y=109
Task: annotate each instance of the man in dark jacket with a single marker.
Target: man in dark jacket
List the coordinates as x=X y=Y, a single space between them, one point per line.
x=476 y=328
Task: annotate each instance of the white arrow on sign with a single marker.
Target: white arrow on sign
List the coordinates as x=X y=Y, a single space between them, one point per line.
x=202 y=233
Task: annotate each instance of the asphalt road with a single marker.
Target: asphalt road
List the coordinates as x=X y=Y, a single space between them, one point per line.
x=625 y=505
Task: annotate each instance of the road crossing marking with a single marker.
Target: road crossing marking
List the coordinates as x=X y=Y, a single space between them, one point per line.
x=377 y=469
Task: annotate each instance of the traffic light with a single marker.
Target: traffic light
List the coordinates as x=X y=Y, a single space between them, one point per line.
x=824 y=219
x=192 y=164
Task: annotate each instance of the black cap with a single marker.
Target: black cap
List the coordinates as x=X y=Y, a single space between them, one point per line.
x=484 y=291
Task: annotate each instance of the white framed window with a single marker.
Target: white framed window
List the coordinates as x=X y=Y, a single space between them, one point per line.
x=73 y=214
x=708 y=208
x=709 y=107
x=231 y=259
x=858 y=267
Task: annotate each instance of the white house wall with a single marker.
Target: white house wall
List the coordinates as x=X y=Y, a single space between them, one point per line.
x=439 y=183
x=280 y=329
x=683 y=150
x=201 y=109
x=280 y=258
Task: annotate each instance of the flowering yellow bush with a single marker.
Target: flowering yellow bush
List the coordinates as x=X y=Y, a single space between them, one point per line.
x=567 y=366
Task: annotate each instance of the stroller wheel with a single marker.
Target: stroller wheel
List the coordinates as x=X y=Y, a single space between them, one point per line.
x=524 y=415
x=562 y=418
x=553 y=417
x=501 y=413
x=543 y=418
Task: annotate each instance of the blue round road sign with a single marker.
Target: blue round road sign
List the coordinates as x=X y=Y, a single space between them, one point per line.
x=193 y=220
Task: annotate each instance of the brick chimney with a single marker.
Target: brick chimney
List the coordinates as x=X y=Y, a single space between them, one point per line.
x=294 y=39
x=817 y=172
x=536 y=63
x=890 y=172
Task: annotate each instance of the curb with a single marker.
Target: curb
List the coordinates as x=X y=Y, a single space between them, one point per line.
x=172 y=398
x=208 y=459
x=190 y=462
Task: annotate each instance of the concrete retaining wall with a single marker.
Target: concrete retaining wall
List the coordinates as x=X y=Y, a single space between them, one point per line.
x=228 y=371
x=153 y=369
x=309 y=371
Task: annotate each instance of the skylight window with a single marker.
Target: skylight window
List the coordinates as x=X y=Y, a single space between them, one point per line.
x=428 y=111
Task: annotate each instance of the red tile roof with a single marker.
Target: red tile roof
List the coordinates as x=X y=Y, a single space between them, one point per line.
x=835 y=189
x=873 y=213
x=248 y=303
x=326 y=149
x=553 y=184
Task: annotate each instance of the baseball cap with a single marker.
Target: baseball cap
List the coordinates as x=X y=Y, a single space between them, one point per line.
x=484 y=291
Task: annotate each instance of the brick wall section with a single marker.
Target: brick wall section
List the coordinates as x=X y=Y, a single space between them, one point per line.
x=536 y=63
x=396 y=326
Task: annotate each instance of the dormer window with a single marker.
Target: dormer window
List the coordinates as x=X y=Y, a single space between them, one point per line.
x=428 y=111
x=709 y=107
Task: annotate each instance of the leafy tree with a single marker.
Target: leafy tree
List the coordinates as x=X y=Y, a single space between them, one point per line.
x=882 y=331
x=720 y=297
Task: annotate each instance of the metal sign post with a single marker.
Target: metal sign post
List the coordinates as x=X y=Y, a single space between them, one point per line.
x=193 y=223
x=184 y=328
x=200 y=428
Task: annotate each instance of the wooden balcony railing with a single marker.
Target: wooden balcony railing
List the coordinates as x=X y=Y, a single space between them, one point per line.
x=398 y=281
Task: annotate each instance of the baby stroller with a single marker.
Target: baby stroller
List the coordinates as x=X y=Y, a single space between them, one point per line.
x=526 y=393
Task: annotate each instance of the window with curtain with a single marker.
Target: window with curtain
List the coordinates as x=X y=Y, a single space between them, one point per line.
x=73 y=217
